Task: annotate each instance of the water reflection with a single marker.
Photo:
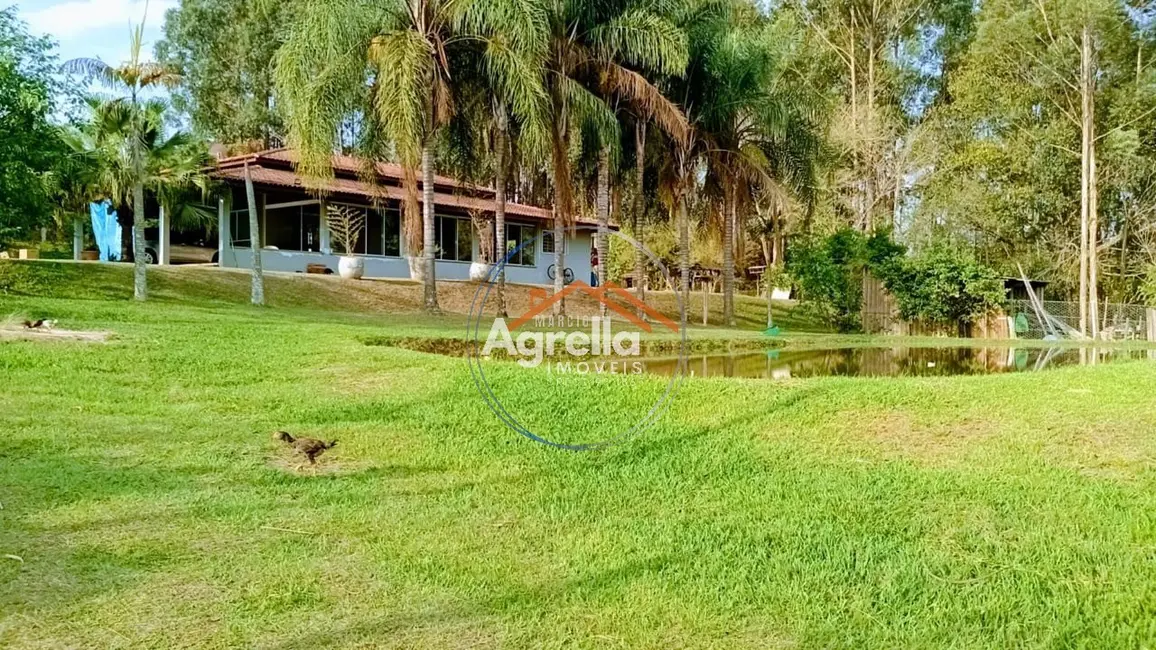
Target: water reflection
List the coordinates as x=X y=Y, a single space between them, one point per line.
x=889 y=362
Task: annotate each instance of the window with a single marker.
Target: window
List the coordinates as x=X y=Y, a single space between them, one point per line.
x=520 y=235
x=381 y=234
x=455 y=239
x=547 y=241
x=239 y=228
x=391 y=231
x=311 y=227
x=374 y=233
x=293 y=227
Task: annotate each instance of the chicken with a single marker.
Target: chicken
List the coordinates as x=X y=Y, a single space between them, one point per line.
x=42 y=323
x=311 y=448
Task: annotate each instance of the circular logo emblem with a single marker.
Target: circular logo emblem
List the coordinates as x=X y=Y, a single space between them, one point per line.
x=572 y=368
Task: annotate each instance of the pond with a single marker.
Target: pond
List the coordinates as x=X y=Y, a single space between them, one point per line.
x=888 y=362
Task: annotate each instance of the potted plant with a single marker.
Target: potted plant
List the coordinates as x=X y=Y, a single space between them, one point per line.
x=345 y=226
x=484 y=229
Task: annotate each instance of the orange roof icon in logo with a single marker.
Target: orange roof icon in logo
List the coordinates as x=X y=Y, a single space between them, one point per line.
x=540 y=302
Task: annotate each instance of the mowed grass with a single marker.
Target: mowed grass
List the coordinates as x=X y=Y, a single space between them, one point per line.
x=149 y=507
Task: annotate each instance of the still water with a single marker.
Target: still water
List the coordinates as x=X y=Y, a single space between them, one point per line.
x=888 y=362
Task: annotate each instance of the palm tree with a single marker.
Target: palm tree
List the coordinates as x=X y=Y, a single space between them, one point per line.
x=747 y=129
x=596 y=51
x=393 y=62
x=133 y=77
x=761 y=135
x=104 y=162
x=705 y=23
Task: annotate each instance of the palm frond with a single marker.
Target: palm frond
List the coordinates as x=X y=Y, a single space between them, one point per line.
x=589 y=111
x=95 y=70
x=321 y=75
x=647 y=99
x=641 y=39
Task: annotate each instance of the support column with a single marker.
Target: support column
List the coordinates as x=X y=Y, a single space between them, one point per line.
x=77 y=238
x=224 y=243
x=326 y=244
x=163 y=235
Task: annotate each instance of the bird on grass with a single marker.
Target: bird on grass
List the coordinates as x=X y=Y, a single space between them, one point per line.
x=311 y=448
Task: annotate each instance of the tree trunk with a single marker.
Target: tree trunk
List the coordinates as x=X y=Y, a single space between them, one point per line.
x=770 y=290
x=1085 y=176
x=428 y=239
x=728 y=272
x=140 y=289
x=1093 y=236
x=257 y=291
x=559 y=263
x=500 y=252
x=639 y=208
x=684 y=257
x=603 y=208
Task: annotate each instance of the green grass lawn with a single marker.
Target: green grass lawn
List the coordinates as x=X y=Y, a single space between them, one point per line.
x=149 y=507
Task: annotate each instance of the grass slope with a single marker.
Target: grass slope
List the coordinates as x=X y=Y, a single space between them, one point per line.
x=211 y=286
x=151 y=509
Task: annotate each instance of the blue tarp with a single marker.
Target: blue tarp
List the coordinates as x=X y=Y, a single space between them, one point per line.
x=105 y=230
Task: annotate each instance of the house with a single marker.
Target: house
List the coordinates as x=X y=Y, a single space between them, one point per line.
x=294 y=233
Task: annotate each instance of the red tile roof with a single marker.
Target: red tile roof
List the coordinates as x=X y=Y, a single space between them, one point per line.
x=342 y=163
x=349 y=186
x=276 y=167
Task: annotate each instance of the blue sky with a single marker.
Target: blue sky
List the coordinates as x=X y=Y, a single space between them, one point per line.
x=93 y=28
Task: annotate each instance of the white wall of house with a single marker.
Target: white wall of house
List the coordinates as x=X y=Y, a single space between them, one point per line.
x=397 y=267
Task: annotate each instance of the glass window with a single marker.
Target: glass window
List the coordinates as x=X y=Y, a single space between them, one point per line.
x=374 y=234
x=391 y=230
x=548 y=241
x=283 y=228
x=381 y=234
x=520 y=235
x=239 y=228
x=455 y=239
x=311 y=227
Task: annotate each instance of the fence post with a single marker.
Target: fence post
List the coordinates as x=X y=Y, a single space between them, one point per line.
x=1151 y=318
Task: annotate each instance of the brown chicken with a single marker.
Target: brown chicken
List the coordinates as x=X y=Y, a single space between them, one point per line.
x=311 y=448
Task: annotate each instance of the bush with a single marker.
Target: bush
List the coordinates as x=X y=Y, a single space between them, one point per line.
x=1148 y=289
x=942 y=285
x=829 y=276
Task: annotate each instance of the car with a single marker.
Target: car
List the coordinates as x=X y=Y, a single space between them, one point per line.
x=184 y=248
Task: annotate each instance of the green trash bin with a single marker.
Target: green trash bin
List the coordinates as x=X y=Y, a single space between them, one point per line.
x=1022 y=324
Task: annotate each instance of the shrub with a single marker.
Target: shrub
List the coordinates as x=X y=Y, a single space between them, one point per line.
x=942 y=285
x=829 y=276
x=1148 y=288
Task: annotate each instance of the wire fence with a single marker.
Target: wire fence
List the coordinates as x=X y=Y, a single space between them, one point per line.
x=1118 y=322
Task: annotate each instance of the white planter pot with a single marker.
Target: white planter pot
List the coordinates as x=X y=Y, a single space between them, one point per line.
x=416 y=268
x=480 y=271
x=351 y=268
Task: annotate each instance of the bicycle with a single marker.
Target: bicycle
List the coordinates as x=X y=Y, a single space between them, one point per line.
x=567 y=274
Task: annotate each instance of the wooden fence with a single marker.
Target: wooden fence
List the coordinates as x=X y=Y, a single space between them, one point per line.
x=880 y=315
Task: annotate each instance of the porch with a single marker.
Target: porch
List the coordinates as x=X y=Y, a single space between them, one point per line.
x=294 y=233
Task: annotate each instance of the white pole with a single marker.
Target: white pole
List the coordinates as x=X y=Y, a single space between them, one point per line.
x=77 y=238
x=224 y=207
x=163 y=236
